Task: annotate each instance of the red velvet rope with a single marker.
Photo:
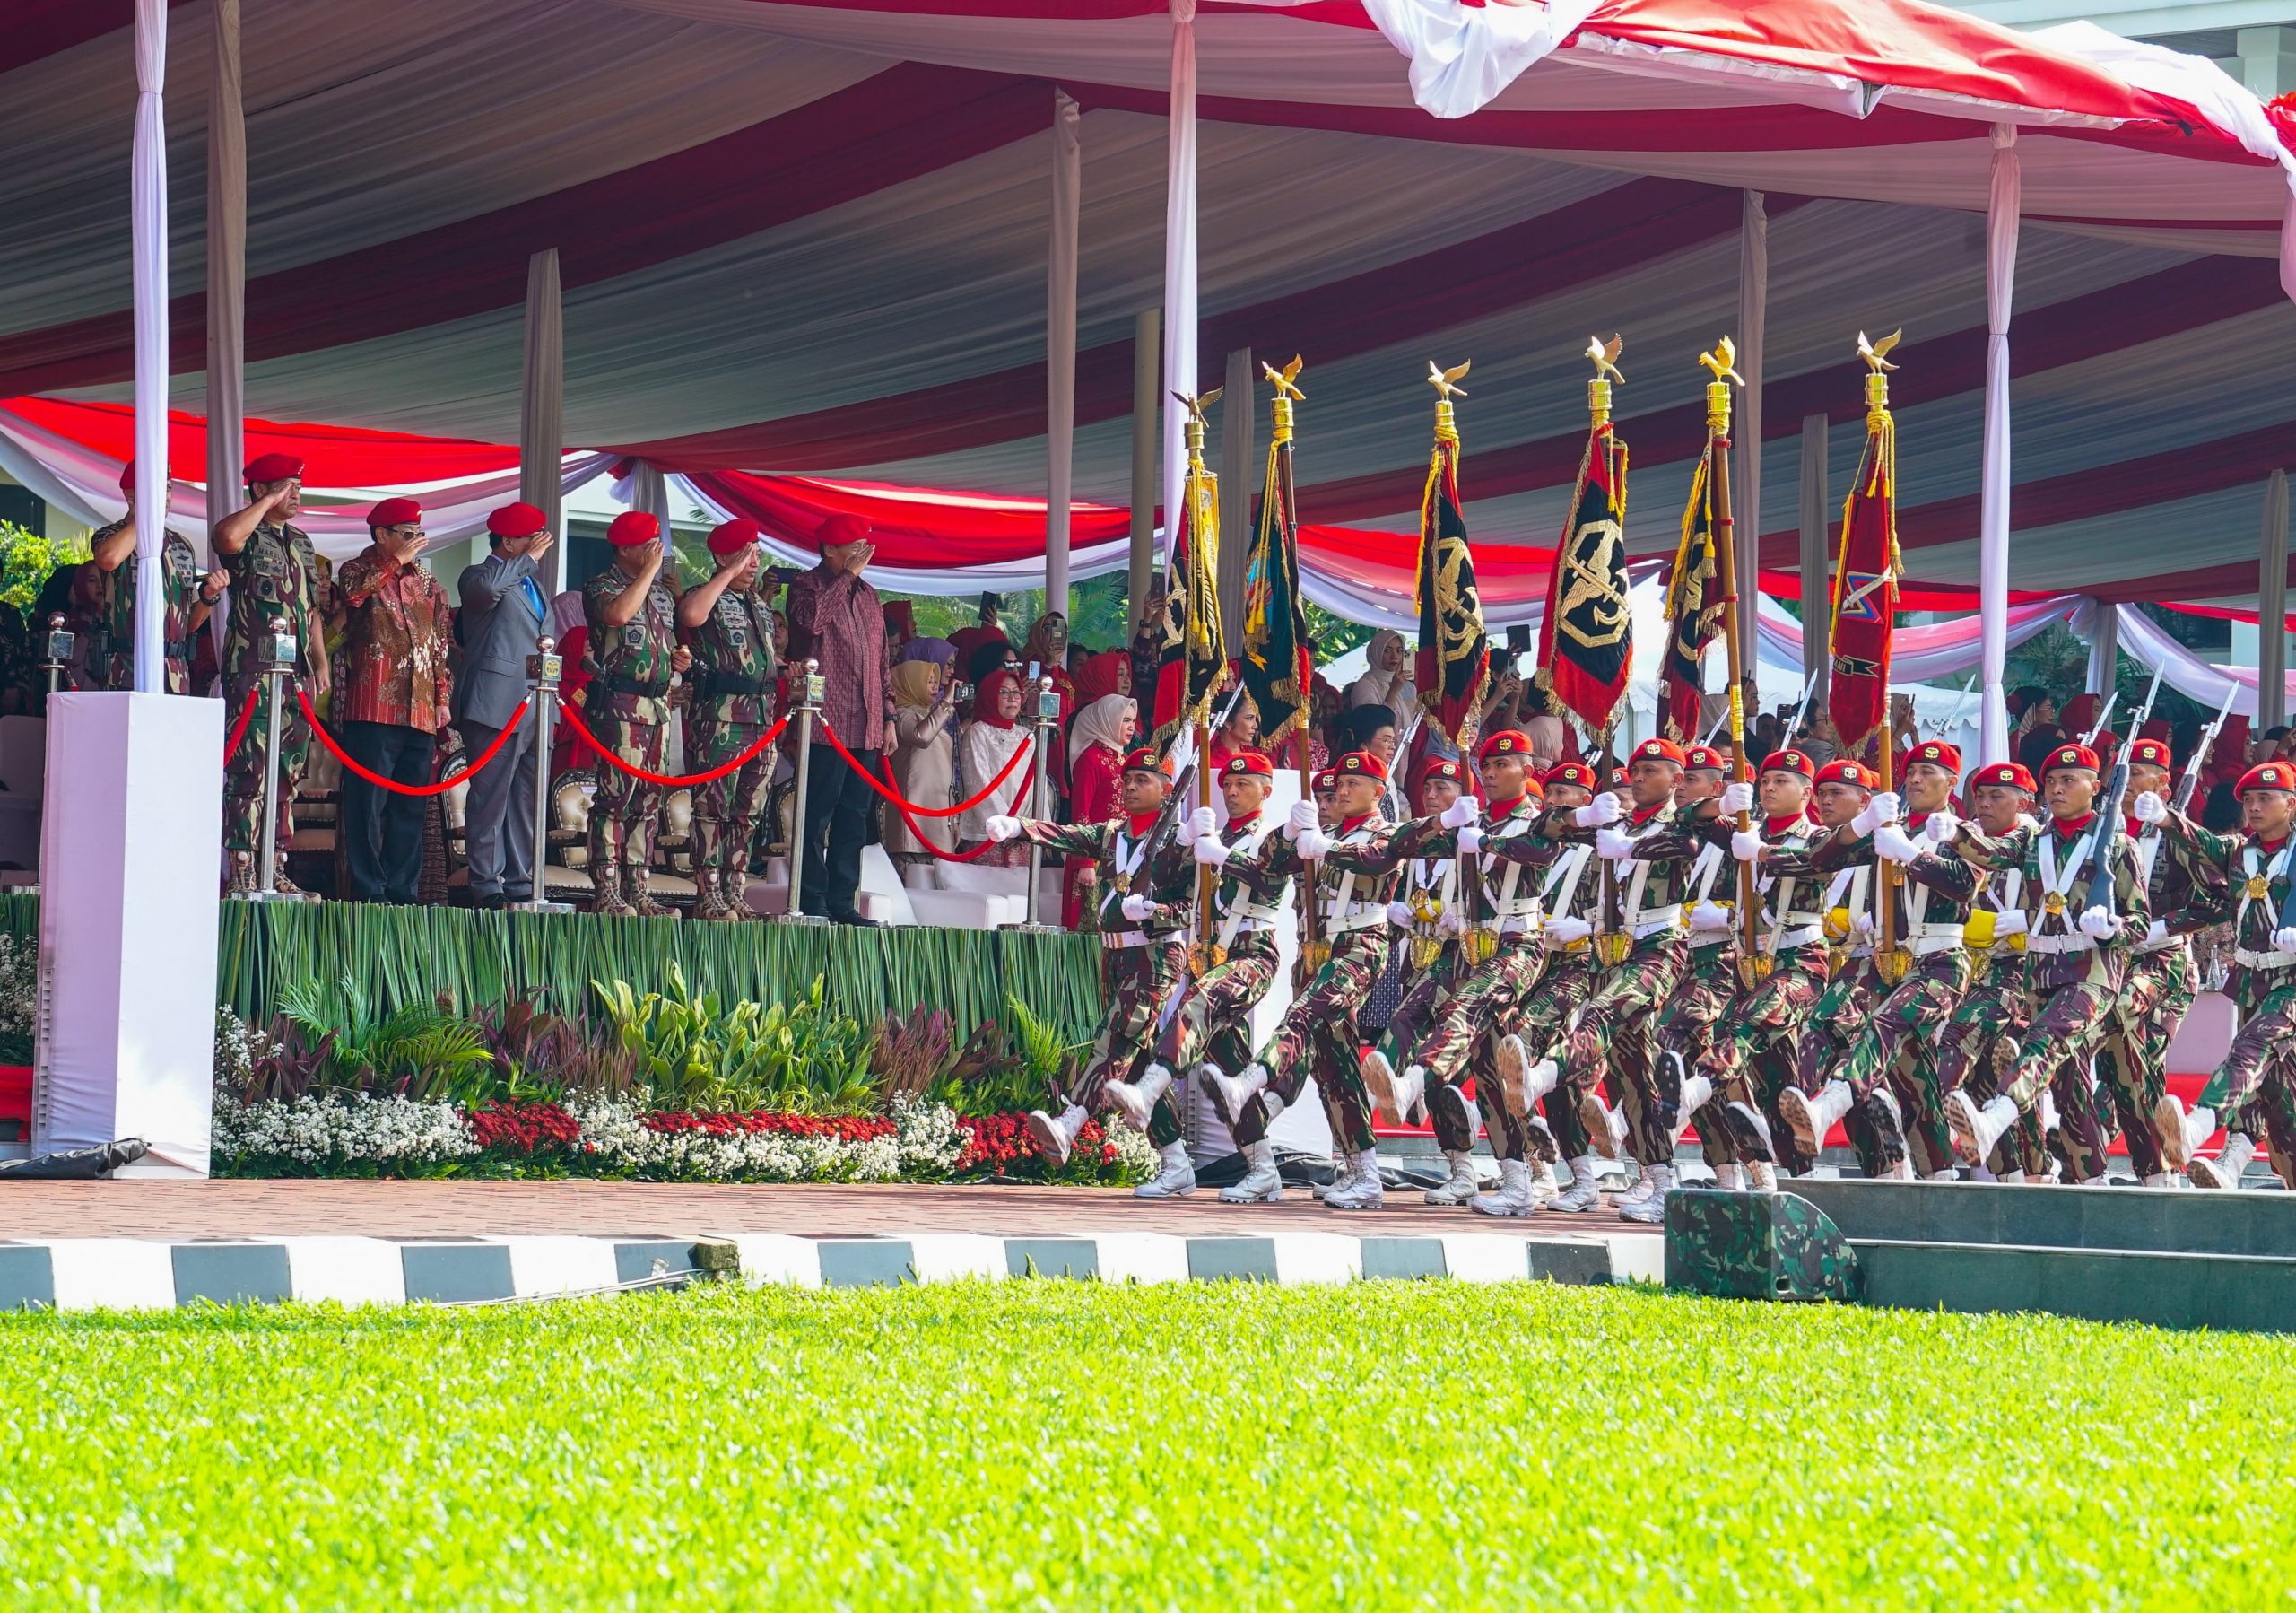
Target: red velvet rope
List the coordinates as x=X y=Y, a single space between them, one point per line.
x=240 y=728
x=671 y=780
x=393 y=785
x=916 y=828
x=909 y=808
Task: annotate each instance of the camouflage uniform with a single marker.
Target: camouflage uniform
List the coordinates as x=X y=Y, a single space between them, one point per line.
x=732 y=677
x=1693 y=1017
x=1978 y=1044
x=275 y=574
x=180 y=601
x=1213 y=1020
x=627 y=707
x=2182 y=889
x=1141 y=961
x=1432 y=882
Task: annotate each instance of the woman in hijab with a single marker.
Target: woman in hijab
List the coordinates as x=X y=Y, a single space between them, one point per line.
x=1102 y=732
x=1386 y=675
x=925 y=759
x=1105 y=674
x=989 y=739
x=1047 y=648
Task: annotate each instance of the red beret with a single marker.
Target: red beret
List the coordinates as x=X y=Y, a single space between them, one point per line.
x=1847 y=772
x=2268 y=775
x=1788 y=762
x=2008 y=775
x=274 y=468
x=1533 y=789
x=1324 y=780
x=1248 y=764
x=2148 y=753
x=841 y=529
x=517 y=520
x=1939 y=754
x=395 y=512
x=632 y=527
x=2066 y=757
x=1362 y=764
x=1444 y=770
x=731 y=537
x=1616 y=777
x=1571 y=773
x=1657 y=750
x=1506 y=742
x=1705 y=758
x=127 y=476
x=1143 y=759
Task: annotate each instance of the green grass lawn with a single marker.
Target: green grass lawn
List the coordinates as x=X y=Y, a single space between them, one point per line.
x=1059 y=1444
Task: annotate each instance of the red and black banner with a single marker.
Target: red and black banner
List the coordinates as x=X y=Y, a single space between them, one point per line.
x=1454 y=661
x=1693 y=608
x=1866 y=590
x=1586 y=642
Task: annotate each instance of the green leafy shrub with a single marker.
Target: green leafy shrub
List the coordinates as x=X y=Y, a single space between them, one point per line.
x=422 y=1050
x=693 y=1053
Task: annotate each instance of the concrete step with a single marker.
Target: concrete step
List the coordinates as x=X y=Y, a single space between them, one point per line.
x=1971 y=1213
x=2243 y=1292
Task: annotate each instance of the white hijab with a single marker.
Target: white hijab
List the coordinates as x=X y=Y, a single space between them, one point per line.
x=1099 y=723
x=1380 y=687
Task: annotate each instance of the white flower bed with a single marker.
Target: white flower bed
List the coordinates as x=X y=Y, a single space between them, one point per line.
x=333 y=1129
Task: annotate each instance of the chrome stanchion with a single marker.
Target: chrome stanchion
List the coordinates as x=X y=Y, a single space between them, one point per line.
x=810 y=690
x=1048 y=724
x=278 y=668
x=59 y=652
x=544 y=670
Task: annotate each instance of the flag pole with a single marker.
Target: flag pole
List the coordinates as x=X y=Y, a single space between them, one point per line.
x=1598 y=415
x=1720 y=363
x=1879 y=426
x=1203 y=518
x=1280 y=489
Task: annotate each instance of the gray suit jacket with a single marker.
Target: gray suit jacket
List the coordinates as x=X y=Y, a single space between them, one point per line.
x=501 y=625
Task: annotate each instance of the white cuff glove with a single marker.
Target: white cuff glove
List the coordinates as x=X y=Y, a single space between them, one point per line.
x=2148 y=809
x=1202 y=821
x=1208 y=851
x=2101 y=922
x=1311 y=845
x=1940 y=827
x=2009 y=921
x=2156 y=932
x=1302 y=819
x=1470 y=841
x=1861 y=928
x=1746 y=845
x=1462 y=812
x=1708 y=916
x=1879 y=810
x=1602 y=809
x=1451 y=921
x=1399 y=914
x=1137 y=907
x=1564 y=931
x=1737 y=797
x=1895 y=843
x=1002 y=829
x=1613 y=845
x=2284 y=940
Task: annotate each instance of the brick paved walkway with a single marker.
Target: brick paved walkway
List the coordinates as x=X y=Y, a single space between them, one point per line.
x=448 y=1210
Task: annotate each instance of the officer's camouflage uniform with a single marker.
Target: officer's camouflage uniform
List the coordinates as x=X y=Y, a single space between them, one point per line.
x=732 y=679
x=275 y=575
x=1141 y=961
x=2183 y=890
x=180 y=601
x=2070 y=990
x=1569 y=889
x=1978 y=1043
x=1214 y=1024
x=1693 y=1017
x=626 y=706
x=1430 y=881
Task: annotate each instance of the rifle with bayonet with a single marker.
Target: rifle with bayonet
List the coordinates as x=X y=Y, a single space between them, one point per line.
x=2188 y=786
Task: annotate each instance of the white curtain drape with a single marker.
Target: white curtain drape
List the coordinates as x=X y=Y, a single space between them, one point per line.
x=2272 y=603
x=227 y=263
x=1060 y=346
x=2204 y=683
x=1180 y=259
x=148 y=201
x=1993 y=495
x=2104 y=654
x=1936 y=649
x=1753 y=319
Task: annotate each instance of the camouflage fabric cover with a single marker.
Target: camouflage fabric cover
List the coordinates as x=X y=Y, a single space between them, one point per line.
x=1757 y=1246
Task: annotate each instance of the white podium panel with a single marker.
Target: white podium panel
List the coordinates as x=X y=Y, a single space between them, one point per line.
x=128 y=925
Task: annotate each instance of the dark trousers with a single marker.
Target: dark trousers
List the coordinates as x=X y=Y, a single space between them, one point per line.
x=837 y=826
x=382 y=830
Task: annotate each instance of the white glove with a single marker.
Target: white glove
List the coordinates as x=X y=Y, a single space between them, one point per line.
x=1462 y=812
x=1202 y=821
x=1002 y=829
x=1311 y=845
x=1564 y=931
x=1940 y=827
x=1613 y=845
x=1746 y=845
x=1708 y=916
x=2284 y=940
x=2148 y=809
x=2009 y=921
x=1879 y=810
x=1470 y=841
x=1137 y=907
x=2156 y=932
x=1451 y=921
x=2026 y=820
x=1602 y=809
x=2101 y=922
x=1737 y=797
x=1861 y=928
x=1400 y=914
x=1895 y=843
x=1302 y=819
x=1208 y=851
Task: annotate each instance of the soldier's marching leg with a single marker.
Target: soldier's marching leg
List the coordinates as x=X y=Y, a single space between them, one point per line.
x=2064 y=1029
x=1687 y=1025
x=2134 y=1063
x=2234 y=1091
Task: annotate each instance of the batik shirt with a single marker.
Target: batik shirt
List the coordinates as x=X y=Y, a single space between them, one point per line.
x=630 y=665
x=392 y=668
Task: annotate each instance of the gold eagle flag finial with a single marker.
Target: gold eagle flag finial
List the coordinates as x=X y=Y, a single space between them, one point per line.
x=1722 y=362
x=1604 y=356
x=1287 y=379
x=1446 y=382
x=1877 y=355
x=1195 y=422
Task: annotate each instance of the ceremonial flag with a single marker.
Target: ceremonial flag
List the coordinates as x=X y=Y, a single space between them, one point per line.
x=1454 y=661
x=1193 y=663
x=1866 y=588
x=1278 y=654
x=1587 y=641
x=1693 y=608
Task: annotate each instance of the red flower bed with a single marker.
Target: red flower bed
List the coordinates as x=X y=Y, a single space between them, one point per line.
x=1001 y=1144
x=524 y=1128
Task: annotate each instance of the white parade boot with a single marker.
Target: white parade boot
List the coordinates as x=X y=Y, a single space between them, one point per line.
x=1543 y=1189
x=1976 y=1129
x=1514 y=1195
x=1695 y=1092
x=1900 y=1172
x=1177 y=1180
x=1408 y=1091
x=1380 y=1086
x=2013 y=1178
x=1230 y=1094
x=2164 y=1180
x=1761 y=1177
x=1453 y=1102
x=2169 y=1130
x=1642 y=1189
x=1810 y=1118
x=1365 y=1190
x=1259 y=1184
x=1729 y=1178
x=1136 y=1102
x=1055 y=1136
x=2192 y=1130
x=1459 y=1186
x=1539 y=1080
x=1652 y=1208
x=2232 y=1161
x=1514 y=1074
x=1582 y=1194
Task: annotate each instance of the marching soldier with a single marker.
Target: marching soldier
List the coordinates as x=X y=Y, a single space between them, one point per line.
x=1147 y=897
x=274 y=575
x=2077 y=941
x=1693 y=1016
x=726 y=621
x=1348 y=872
x=1426 y=916
x=187 y=597
x=634 y=617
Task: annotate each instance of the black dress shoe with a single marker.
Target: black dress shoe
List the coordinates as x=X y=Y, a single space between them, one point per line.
x=493 y=902
x=855 y=917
